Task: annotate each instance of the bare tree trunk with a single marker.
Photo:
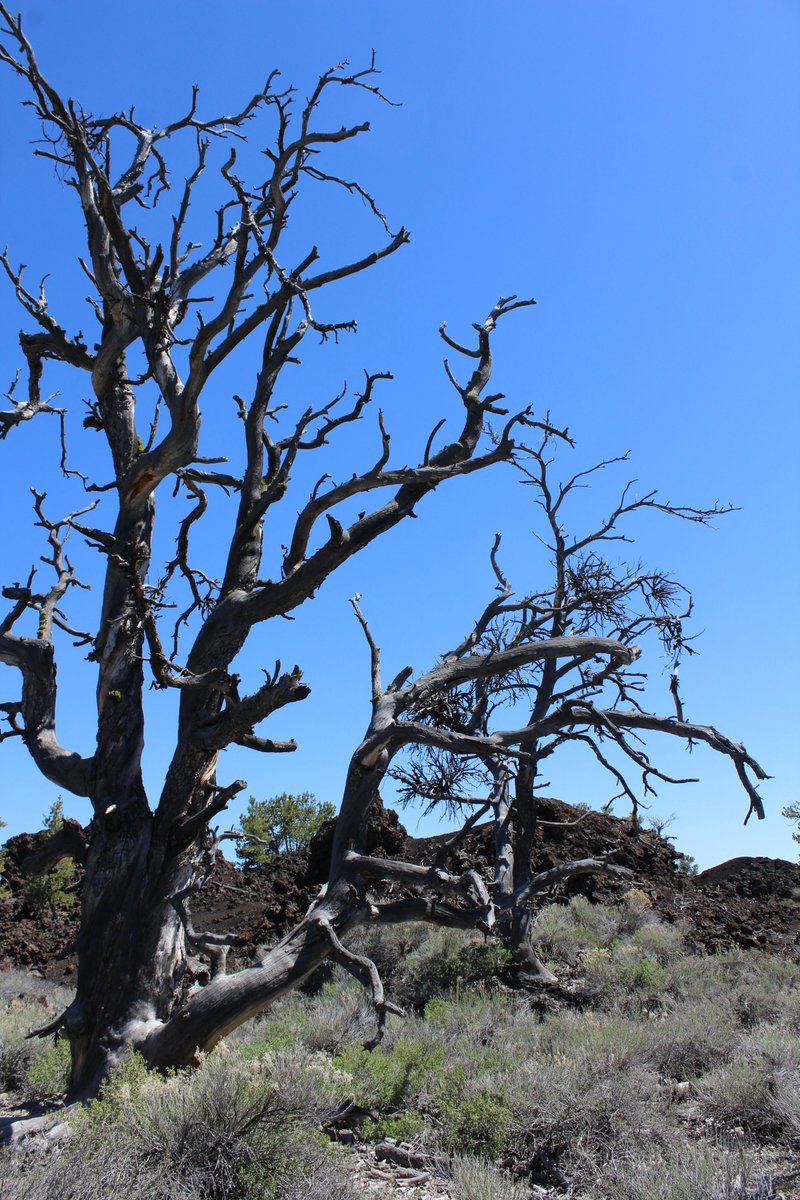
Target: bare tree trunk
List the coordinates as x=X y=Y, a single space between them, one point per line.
x=229 y=1000
x=131 y=955
x=526 y=961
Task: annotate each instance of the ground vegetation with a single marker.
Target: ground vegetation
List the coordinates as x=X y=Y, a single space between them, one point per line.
x=675 y=1076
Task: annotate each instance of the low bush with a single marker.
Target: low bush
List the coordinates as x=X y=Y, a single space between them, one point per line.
x=562 y=932
x=402 y=1126
x=581 y=1097
x=224 y=1132
x=621 y=949
x=686 y=1172
x=483 y=1018
x=760 y=1097
x=624 y=979
x=450 y=961
x=659 y=941
x=472 y=1121
x=389 y=946
x=48 y=1073
x=16 y=1053
x=341 y=1014
x=601 y=1113
x=26 y=1003
x=752 y=986
x=310 y=1086
x=689 y=1039
x=280 y=1028
x=389 y=1078
x=475 y=1179
x=611 y=1041
x=643 y=975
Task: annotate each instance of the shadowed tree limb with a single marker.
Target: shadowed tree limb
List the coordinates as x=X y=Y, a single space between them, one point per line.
x=69 y=841
x=366 y=972
x=546 y=880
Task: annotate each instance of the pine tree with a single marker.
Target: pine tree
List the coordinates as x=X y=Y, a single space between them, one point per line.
x=284 y=822
x=53 y=889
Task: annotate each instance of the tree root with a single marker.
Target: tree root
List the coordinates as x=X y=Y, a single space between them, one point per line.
x=35 y=1121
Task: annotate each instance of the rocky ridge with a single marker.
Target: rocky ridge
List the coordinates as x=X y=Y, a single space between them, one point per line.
x=748 y=902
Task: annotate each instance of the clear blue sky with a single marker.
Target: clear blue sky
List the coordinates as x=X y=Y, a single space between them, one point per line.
x=636 y=168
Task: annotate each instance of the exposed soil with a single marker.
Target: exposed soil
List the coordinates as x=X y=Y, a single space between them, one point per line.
x=748 y=902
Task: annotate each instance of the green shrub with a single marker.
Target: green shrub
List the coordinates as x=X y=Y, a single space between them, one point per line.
x=750 y=987
x=564 y=933
x=388 y=1078
x=449 y=960
x=691 y=1038
x=645 y=975
x=340 y=1015
x=773 y=1044
x=484 y=1033
x=437 y=1010
x=123 y=1083
x=309 y=1169
x=389 y=947
x=16 y=1057
x=48 y=1074
x=24 y=1005
x=605 y=1042
x=481 y=1015
x=473 y=1122
x=402 y=1126
x=583 y=1108
x=310 y=1086
x=624 y=980
x=223 y=1132
x=661 y=942
x=280 y=1028
x=226 y=1132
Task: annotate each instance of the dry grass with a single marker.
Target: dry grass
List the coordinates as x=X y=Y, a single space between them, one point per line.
x=584 y=1100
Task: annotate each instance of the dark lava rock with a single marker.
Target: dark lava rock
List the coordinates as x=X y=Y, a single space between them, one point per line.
x=748 y=902
x=756 y=878
x=34 y=940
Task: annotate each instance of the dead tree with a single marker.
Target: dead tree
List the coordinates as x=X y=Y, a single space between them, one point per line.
x=182 y=310
x=584 y=698
x=171 y=313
